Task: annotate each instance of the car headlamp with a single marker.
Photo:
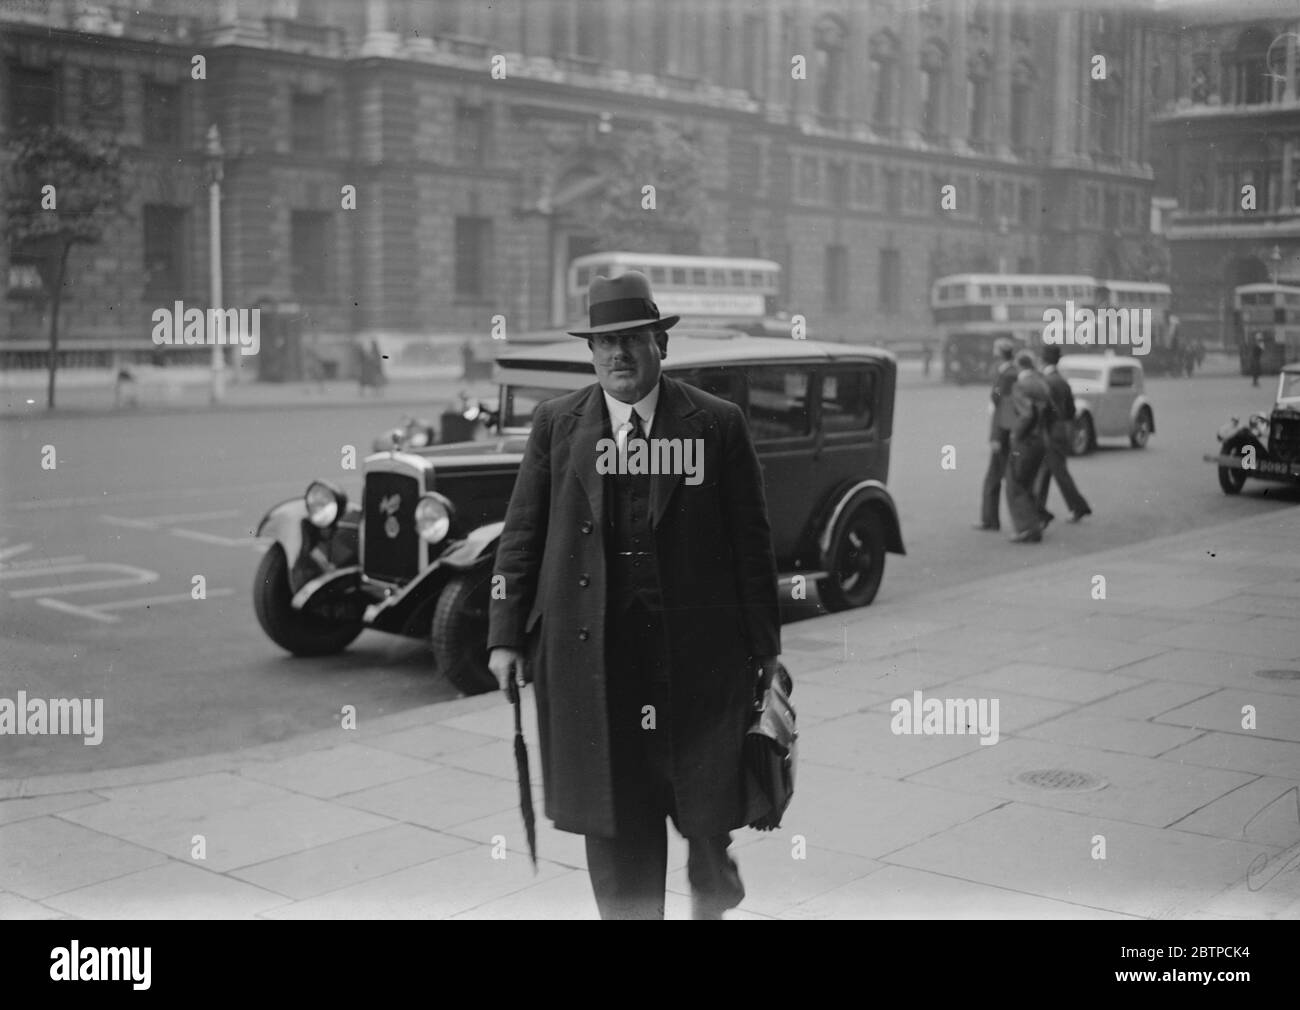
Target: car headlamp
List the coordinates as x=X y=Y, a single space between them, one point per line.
x=325 y=503
x=433 y=515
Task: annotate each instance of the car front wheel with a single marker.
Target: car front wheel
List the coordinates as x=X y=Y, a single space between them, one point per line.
x=857 y=563
x=1141 y=432
x=296 y=631
x=460 y=630
x=1231 y=480
x=1083 y=438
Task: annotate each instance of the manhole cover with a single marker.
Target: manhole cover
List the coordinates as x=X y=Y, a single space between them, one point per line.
x=1061 y=779
x=1279 y=674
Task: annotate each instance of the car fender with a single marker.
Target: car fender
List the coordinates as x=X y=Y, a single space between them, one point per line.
x=479 y=546
x=283 y=524
x=874 y=494
x=1138 y=405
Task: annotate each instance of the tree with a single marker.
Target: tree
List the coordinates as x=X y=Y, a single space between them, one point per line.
x=661 y=157
x=65 y=187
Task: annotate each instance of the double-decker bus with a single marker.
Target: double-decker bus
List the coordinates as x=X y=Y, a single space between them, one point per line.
x=703 y=290
x=1269 y=313
x=971 y=311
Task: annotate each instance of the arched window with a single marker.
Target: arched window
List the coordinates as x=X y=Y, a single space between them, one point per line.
x=828 y=67
x=934 y=76
x=884 y=79
x=979 y=73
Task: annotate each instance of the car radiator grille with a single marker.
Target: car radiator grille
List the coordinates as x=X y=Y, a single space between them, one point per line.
x=392 y=546
x=1284 y=440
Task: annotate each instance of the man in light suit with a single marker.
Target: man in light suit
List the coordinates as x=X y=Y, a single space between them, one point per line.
x=642 y=606
x=1001 y=420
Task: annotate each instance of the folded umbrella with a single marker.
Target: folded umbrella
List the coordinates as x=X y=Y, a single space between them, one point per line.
x=525 y=780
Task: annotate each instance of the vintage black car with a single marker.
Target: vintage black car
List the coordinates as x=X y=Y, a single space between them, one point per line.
x=1265 y=447
x=413 y=555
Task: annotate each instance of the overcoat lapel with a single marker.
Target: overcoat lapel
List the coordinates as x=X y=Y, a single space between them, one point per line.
x=670 y=422
x=590 y=428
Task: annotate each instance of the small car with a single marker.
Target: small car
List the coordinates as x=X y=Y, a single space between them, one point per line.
x=1266 y=447
x=413 y=553
x=1109 y=400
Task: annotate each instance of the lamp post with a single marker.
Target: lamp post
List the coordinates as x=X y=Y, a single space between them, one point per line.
x=213 y=164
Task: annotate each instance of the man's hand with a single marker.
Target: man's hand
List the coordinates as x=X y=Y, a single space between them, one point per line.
x=506 y=664
x=767 y=667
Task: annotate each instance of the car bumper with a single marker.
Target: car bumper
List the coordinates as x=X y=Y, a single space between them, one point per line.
x=1265 y=469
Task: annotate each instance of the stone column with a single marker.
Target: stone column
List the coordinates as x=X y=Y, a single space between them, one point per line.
x=958 y=79
x=909 y=79
x=802 y=92
x=857 y=68
x=379 y=41
x=777 y=96
x=1289 y=92
x=618 y=37
x=1287 y=203
x=1081 y=66
x=1066 y=79
x=1000 y=99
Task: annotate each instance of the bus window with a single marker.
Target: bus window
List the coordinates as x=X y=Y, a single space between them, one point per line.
x=658 y=275
x=1062 y=291
x=679 y=276
x=719 y=278
x=1032 y=291
x=738 y=279
x=986 y=291
x=699 y=277
x=1001 y=290
x=584 y=276
x=1017 y=291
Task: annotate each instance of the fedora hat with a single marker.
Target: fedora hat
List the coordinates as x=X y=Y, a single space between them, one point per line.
x=622 y=303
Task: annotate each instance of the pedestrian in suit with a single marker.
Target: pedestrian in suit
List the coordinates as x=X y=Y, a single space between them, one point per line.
x=1032 y=403
x=641 y=607
x=1001 y=418
x=1057 y=445
x=1256 y=358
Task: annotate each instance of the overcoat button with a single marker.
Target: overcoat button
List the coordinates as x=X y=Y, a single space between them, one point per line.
x=584 y=581
x=583 y=634
x=586 y=526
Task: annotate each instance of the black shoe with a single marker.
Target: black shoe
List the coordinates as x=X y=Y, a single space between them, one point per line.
x=1085 y=511
x=1028 y=537
x=984 y=526
x=1046 y=518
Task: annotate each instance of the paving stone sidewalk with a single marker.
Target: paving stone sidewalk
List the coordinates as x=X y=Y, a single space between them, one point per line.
x=1147 y=765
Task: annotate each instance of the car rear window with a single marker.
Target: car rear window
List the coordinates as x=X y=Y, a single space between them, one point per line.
x=778 y=403
x=1121 y=378
x=848 y=396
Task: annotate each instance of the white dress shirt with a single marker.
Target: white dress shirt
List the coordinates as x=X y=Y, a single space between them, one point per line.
x=620 y=413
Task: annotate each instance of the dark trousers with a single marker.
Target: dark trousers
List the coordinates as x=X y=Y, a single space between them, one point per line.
x=1022 y=466
x=993 y=482
x=628 y=872
x=1054 y=465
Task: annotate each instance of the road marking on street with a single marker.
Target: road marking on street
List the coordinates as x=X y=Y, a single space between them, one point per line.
x=140 y=496
x=153 y=522
x=65 y=559
x=14 y=551
x=130 y=575
x=220 y=541
x=76 y=611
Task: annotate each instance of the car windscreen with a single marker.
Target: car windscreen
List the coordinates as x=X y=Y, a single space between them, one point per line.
x=520 y=402
x=1290 y=386
x=1082 y=374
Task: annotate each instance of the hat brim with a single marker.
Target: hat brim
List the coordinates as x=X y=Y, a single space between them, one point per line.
x=662 y=323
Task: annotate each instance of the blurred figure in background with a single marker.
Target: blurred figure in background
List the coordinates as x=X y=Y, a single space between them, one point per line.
x=1032 y=403
x=1057 y=444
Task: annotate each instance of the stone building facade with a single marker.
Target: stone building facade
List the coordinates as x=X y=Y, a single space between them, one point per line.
x=1226 y=148
x=472 y=192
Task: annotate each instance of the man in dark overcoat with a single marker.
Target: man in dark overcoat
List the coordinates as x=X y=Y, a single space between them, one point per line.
x=1032 y=402
x=1057 y=444
x=641 y=606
